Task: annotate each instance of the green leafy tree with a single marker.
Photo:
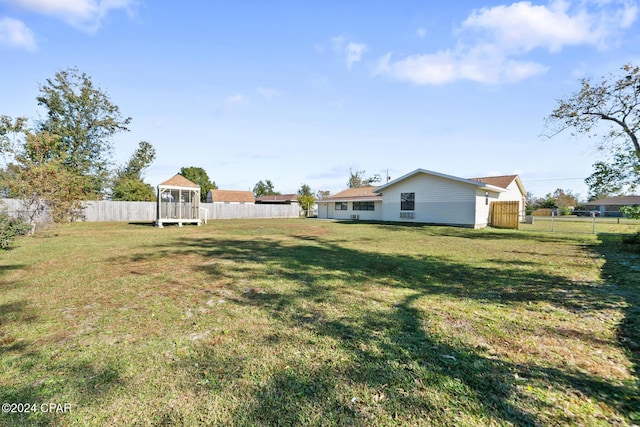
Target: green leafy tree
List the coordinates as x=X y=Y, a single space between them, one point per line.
x=619 y=176
x=84 y=120
x=357 y=179
x=199 y=176
x=128 y=183
x=10 y=228
x=306 y=199
x=608 y=110
x=631 y=212
x=41 y=183
x=265 y=188
x=133 y=189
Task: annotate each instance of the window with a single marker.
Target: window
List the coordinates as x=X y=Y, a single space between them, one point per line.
x=407 y=201
x=363 y=206
x=341 y=206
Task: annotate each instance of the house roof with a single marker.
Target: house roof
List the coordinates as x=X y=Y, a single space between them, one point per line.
x=616 y=201
x=232 y=196
x=502 y=181
x=179 y=181
x=277 y=198
x=441 y=175
x=359 y=194
x=499 y=181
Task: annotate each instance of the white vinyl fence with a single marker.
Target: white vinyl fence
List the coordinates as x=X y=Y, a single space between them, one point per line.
x=109 y=210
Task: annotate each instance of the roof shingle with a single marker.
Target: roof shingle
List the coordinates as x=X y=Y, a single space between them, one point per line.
x=235 y=196
x=179 y=181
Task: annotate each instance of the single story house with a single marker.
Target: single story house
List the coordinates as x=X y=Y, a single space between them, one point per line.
x=278 y=199
x=424 y=196
x=610 y=206
x=352 y=204
x=230 y=196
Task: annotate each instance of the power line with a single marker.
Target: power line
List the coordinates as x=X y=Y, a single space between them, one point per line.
x=553 y=179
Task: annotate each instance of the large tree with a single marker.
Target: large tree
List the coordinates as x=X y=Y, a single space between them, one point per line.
x=128 y=183
x=84 y=120
x=608 y=110
x=265 y=188
x=306 y=199
x=40 y=182
x=357 y=179
x=199 y=176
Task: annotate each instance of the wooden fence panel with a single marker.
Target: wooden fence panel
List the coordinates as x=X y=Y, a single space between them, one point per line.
x=504 y=214
x=109 y=210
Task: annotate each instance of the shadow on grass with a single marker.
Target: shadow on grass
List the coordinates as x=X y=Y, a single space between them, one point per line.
x=621 y=270
x=393 y=353
x=487 y=233
x=40 y=378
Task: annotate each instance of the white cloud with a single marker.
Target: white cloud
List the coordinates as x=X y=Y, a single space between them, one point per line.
x=268 y=92
x=494 y=41
x=446 y=67
x=354 y=52
x=522 y=27
x=234 y=100
x=421 y=32
x=86 y=15
x=14 y=33
x=351 y=51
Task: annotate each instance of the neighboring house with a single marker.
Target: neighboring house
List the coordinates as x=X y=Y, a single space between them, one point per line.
x=354 y=203
x=425 y=196
x=278 y=199
x=230 y=196
x=611 y=205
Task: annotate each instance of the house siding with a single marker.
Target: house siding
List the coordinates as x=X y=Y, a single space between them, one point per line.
x=482 y=208
x=327 y=210
x=437 y=200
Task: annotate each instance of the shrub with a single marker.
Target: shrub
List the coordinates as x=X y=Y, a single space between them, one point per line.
x=10 y=228
x=632 y=212
x=633 y=241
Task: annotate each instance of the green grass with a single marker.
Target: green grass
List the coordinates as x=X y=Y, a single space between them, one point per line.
x=573 y=224
x=309 y=322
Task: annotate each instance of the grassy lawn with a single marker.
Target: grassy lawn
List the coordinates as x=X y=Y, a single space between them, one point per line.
x=573 y=224
x=310 y=322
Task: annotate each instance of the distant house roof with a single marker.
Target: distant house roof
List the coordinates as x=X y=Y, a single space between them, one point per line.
x=616 y=201
x=230 y=196
x=358 y=194
x=179 y=181
x=278 y=199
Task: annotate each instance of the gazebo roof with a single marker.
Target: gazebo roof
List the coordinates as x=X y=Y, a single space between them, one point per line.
x=179 y=181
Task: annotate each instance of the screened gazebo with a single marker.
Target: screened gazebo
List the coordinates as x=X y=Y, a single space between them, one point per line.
x=178 y=202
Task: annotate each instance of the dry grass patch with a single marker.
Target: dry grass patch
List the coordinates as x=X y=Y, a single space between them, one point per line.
x=290 y=322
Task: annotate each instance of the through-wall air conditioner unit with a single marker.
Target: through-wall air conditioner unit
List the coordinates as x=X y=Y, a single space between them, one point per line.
x=355 y=217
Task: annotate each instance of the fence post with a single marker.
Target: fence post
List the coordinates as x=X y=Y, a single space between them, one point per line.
x=552 y=217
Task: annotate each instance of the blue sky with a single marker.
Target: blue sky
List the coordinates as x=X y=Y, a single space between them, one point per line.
x=302 y=92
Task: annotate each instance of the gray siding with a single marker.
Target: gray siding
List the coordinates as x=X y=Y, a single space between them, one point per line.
x=437 y=200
